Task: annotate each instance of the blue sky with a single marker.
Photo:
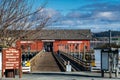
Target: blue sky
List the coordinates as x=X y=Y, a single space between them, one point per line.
x=97 y=15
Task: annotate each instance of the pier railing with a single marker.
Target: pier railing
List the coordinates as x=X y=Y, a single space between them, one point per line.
x=77 y=63
x=34 y=61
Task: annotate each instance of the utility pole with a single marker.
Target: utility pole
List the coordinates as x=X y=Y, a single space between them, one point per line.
x=110 y=56
x=109 y=38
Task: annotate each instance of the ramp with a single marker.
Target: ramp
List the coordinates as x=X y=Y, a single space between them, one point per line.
x=44 y=61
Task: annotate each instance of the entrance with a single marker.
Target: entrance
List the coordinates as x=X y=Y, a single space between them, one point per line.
x=48 y=46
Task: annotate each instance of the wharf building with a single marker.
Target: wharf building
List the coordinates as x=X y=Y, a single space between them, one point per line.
x=54 y=40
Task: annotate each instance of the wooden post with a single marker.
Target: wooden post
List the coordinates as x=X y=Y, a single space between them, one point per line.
x=20 y=72
x=84 y=52
x=74 y=50
x=79 y=51
x=102 y=73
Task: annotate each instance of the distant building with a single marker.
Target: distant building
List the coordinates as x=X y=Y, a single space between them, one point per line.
x=116 y=40
x=52 y=40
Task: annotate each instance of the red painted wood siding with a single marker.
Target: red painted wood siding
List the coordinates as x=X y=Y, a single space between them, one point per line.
x=38 y=45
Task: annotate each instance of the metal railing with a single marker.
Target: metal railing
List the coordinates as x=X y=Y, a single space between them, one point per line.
x=85 y=65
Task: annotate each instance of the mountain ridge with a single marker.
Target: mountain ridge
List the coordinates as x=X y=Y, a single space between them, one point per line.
x=106 y=34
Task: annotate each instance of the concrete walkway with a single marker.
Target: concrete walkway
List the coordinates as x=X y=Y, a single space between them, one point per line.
x=64 y=76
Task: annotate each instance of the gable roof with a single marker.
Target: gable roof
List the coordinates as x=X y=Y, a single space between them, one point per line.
x=80 y=34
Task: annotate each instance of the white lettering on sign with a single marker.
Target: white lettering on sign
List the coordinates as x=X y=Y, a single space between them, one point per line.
x=12 y=62
x=9 y=54
x=26 y=42
x=9 y=67
x=12 y=56
x=11 y=51
x=11 y=59
x=9 y=64
x=48 y=40
x=74 y=42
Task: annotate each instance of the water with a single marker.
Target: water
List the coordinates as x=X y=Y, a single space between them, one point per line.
x=97 y=57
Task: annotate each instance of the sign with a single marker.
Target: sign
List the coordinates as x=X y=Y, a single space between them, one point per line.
x=11 y=59
x=48 y=40
x=26 y=41
x=105 y=61
x=109 y=61
x=78 y=42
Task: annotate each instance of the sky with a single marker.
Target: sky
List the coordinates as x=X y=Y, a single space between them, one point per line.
x=97 y=15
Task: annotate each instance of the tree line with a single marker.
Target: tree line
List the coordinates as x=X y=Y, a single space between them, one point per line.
x=106 y=34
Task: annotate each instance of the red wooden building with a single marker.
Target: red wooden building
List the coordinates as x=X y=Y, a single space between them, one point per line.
x=53 y=40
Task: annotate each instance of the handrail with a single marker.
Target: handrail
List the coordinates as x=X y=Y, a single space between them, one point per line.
x=85 y=64
x=36 y=55
x=33 y=61
x=61 y=61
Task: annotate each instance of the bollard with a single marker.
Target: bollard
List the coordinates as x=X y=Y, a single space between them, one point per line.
x=68 y=67
x=116 y=72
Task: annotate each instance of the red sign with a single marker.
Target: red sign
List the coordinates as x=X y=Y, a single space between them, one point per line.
x=11 y=59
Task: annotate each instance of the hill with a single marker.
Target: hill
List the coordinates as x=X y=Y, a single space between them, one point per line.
x=106 y=34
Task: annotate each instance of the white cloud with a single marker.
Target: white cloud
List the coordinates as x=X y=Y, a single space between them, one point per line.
x=79 y=22
x=105 y=14
x=50 y=12
x=68 y=22
x=96 y=21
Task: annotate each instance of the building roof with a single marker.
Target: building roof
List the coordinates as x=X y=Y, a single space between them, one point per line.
x=80 y=34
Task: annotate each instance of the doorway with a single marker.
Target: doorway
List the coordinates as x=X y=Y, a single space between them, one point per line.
x=48 y=46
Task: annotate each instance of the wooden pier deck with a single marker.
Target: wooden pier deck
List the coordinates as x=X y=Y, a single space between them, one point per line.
x=44 y=62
